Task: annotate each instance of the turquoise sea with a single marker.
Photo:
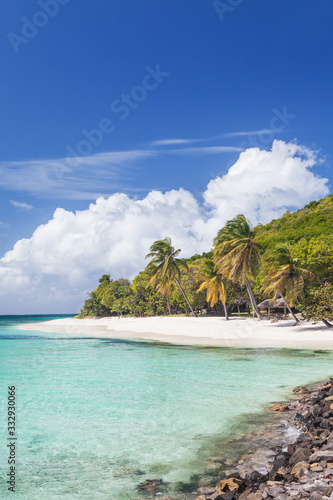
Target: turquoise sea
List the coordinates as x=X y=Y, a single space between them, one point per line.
x=87 y=408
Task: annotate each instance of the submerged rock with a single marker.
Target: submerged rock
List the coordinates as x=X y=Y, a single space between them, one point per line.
x=151 y=486
x=127 y=471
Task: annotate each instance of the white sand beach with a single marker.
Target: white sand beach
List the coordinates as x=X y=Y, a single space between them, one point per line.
x=212 y=331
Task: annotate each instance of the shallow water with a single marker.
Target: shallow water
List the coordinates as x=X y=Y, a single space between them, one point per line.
x=89 y=407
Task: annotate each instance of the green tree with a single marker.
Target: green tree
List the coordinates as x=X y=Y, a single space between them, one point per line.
x=165 y=267
x=317 y=303
x=236 y=254
x=316 y=254
x=93 y=307
x=115 y=295
x=144 y=300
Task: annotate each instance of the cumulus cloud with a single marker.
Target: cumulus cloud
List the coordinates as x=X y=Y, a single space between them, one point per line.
x=51 y=270
x=263 y=184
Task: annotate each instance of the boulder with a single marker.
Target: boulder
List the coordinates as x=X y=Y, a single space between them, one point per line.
x=230 y=484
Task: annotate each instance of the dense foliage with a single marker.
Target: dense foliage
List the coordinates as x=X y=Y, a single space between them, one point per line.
x=291 y=257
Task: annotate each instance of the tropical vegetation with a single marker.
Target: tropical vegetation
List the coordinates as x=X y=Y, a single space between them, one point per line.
x=290 y=258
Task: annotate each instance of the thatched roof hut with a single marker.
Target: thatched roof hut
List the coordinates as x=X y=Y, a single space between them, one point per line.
x=270 y=304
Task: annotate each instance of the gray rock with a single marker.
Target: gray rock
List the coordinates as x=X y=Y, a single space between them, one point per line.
x=326 y=455
x=315 y=496
x=300 y=455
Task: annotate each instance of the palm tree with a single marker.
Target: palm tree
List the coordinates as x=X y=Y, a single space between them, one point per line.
x=165 y=267
x=284 y=276
x=214 y=284
x=164 y=287
x=236 y=254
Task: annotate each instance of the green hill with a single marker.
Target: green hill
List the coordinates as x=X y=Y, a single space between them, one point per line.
x=315 y=220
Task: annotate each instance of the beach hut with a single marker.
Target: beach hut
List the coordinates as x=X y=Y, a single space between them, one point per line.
x=270 y=304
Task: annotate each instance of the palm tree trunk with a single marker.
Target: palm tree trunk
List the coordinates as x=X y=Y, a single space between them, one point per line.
x=289 y=309
x=284 y=299
x=225 y=311
x=168 y=302
x=185 y=296
x=252 y=299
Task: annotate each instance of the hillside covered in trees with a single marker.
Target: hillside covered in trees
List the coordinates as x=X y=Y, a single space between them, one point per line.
x=290 y=259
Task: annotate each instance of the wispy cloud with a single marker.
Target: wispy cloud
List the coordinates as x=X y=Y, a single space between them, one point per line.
x=175 y=142
x=21 y=205
x=206 y=150
x=75 y=178
x=252 y=132
x=184 y=142
x=87 y=177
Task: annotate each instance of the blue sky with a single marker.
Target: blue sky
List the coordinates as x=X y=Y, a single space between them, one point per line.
x=205 y=79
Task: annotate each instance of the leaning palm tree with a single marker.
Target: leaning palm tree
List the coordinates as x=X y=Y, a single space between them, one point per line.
x=236 y=254
x=214 y=284
x=165 y=267
x=283 y=275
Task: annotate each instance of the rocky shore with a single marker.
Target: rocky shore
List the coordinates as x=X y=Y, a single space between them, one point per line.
x=296 y=463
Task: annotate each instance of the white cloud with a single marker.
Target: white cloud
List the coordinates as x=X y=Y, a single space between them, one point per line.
x=253 y=132
x=50 y=271
x=21 y=205
x=83 y=177
x=174 y=142
x=263 y=184
x=206 y=150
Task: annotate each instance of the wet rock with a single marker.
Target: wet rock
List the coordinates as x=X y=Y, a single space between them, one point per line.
x=244 y=470
x=281 y=460
x=206 y=490
x=127 y=471
x=301 y=389
x=151 y=486
x=230 y=484
x=255 y=477
x=279 y=407
x=325 y=387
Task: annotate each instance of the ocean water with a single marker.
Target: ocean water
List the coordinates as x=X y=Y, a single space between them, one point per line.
x=87 y=408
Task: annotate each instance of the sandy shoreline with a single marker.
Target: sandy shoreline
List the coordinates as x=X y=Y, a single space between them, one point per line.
x=212 y=331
